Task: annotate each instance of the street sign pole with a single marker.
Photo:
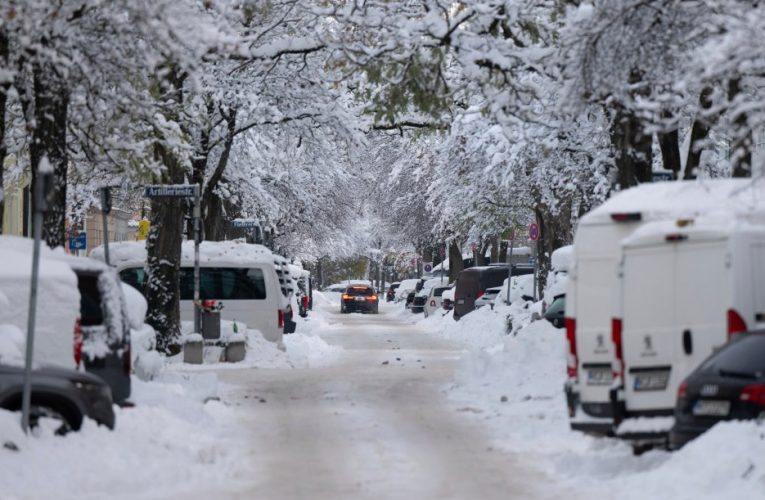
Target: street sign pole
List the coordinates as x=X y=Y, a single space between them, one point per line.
x=44 y=182
x=197 y=241
x=106 y=207
x=534 y=236
x=510 y=268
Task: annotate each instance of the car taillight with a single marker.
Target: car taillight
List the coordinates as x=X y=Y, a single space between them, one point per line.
x=77 y=343
x=682 y=391
x=571 y=337
x=616 y=338
x=753 y=393
x=127 y=362
x=280 y=320
x=346 y=296
x=372 y=298
x=305 y=301
x=736 y=323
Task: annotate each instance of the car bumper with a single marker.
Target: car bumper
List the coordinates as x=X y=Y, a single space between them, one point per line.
x=360 y=306
x=590 y=418
x=683 y=432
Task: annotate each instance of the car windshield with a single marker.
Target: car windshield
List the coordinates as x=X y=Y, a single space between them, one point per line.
x=359 y=291
x=744 y=356
x=557 y=306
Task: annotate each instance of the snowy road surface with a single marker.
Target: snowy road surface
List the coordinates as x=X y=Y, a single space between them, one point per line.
x=373 y=424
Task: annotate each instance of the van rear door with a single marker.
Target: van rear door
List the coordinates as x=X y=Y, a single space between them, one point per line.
x=648 y=321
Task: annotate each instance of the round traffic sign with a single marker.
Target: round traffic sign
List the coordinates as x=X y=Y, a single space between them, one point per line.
x=428 y=267
x=534 y=232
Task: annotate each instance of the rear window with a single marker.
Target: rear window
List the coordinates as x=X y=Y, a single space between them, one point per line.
x=359 y=291
x=745 y=356
x=220 y=283
x=91 y=313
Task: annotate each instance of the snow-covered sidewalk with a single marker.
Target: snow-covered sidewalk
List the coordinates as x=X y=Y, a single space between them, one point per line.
x=514 y=385
x=180 y=440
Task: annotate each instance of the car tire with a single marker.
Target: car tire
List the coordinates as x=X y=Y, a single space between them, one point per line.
x=68 y=417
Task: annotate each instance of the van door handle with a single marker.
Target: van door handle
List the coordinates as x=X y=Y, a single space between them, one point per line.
x=687 y=342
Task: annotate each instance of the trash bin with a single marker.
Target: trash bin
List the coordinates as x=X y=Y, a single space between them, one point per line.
x=210 y=311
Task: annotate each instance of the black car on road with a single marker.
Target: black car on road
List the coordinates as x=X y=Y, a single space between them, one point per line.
x=729 y=385
x=67 y=396
x=390 y=295
x=359 y=298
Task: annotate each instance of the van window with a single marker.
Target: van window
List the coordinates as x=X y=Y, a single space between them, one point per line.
x=91 y=313
x=220 y=283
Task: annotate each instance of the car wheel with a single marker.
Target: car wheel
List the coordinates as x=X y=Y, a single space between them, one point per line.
x=60 y=423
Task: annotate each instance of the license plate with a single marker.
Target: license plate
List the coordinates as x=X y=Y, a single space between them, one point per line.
x=651 y=381
x=711 y=408
x=359 y=299
x=460 y=301
x=599 y=376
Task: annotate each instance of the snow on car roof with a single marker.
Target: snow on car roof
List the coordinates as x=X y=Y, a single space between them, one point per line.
x=26 y=246
x=561 y=258
x=232 y=252
x=681 y=198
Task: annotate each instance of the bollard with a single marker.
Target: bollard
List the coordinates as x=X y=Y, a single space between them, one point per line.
x=193 y=349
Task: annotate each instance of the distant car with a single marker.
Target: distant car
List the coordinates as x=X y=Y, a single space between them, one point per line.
x=488 y=296
x=556 y=312
x=729 y=385
x=359 y=298
x=66 y=396
x=391 y=293
x=434 y=300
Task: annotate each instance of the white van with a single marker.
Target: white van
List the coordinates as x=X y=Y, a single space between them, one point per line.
x=687 y=287
x=239 y=275
x=592 y=289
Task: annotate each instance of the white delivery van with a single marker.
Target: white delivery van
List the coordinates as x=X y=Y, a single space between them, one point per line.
x=239 y=275
x=592 y=289
x=687 y=287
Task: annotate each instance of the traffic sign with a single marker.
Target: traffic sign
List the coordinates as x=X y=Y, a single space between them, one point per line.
x=170 y=191
x=79 y=242
x=427 y=267
x=245 y=223
x=534 y=232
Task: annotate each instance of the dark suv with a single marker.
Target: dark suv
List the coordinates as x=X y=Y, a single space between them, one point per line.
x=391 y=294
x=473 y=282
x=360 y=298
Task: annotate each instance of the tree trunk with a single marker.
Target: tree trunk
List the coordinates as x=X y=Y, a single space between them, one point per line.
x=670 y=148
x=555 y=231
x=503 y=247
x=632 y=147
x=4 y=87
x=163 y=246
x=742 y=150
x=699 y=134
x=455 y=261
x=51 y=103
x=164 y=258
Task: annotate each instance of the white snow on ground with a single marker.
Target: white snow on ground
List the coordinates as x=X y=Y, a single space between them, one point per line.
x=172 y=443
x=514 y=384
x=178 y=440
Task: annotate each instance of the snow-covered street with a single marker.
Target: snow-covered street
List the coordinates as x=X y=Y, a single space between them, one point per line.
x=375 y=423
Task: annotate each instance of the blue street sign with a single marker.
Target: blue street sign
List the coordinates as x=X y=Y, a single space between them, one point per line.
x=663 y=176
x=245 y=223
x=79 y=242
x=170 y=191
x=533 y=261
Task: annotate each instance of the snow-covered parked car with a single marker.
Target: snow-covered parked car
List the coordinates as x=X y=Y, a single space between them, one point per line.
x=239 y=275
x=405 y=288
x=447 y=298
x=592 y=289
x=434 y=300
x=687 y=288
x=82 y=316
x=488 y=297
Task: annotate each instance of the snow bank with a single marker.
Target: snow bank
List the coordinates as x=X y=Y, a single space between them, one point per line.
x=176 y=442
x=514 y=385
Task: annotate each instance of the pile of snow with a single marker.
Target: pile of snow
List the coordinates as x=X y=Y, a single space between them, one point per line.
x=511 y=378
x=175 y=442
